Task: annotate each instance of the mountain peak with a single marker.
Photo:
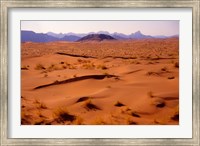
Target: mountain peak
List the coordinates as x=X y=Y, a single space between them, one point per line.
x=139 y=35
x=96 y=37
x=138 y=32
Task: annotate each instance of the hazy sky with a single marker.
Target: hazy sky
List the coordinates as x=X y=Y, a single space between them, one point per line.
x=127 y=27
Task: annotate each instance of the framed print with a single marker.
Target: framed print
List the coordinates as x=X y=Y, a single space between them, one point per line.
x=99 y=72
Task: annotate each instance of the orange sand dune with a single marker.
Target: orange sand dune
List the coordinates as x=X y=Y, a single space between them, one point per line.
x=140 y=84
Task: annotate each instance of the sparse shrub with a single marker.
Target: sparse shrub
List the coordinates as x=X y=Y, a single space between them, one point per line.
x=80 y=60
x=142 y=57
x=40 y=114
x=72 y=67
x=131 y=122
x=160 y=103
x=40 y=67
x=67 y=64
x=52 y=67
x=150 y=73
x=134 y=114
x=150 y=94
x=150 y=62
x=103 y=67
x=119 y=104
x=83 y=61
x=175 y=116
x=82 y=99
x=148 y=57
x=90 y=106
x=87 y=61
x=176 y=64
x=127 y=109
x=157 y=57
x=56 y=81
x=171 y=77
x=62 y=115
x=170 y=54
x=64 y=67
x=25 y=118
x=36 y=101
x=42 y=105
x=39 y=122
x=156 y=121
x=164 y=69
x=135 y=62
x=24 y=67
x=88 y=66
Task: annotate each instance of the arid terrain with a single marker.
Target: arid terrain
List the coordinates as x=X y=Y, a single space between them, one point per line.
x=129 y=82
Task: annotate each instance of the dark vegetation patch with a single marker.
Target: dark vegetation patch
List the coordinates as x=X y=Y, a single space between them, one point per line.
x=160 y=105
x=134 y=114
x=175 y=117
x=119 y=104
x=82 y=99
x=90 y=106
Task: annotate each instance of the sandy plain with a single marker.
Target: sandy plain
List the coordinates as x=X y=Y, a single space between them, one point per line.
x=131 y=82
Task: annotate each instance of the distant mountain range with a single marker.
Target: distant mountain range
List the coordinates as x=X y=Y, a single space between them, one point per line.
x=30 y=36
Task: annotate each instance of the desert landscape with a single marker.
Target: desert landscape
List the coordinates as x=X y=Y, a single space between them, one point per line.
x=100 y=82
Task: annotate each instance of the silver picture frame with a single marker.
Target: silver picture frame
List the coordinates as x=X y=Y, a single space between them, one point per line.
x=4 y=91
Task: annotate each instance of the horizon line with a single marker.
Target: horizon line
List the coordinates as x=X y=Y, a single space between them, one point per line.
x=98 y=32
